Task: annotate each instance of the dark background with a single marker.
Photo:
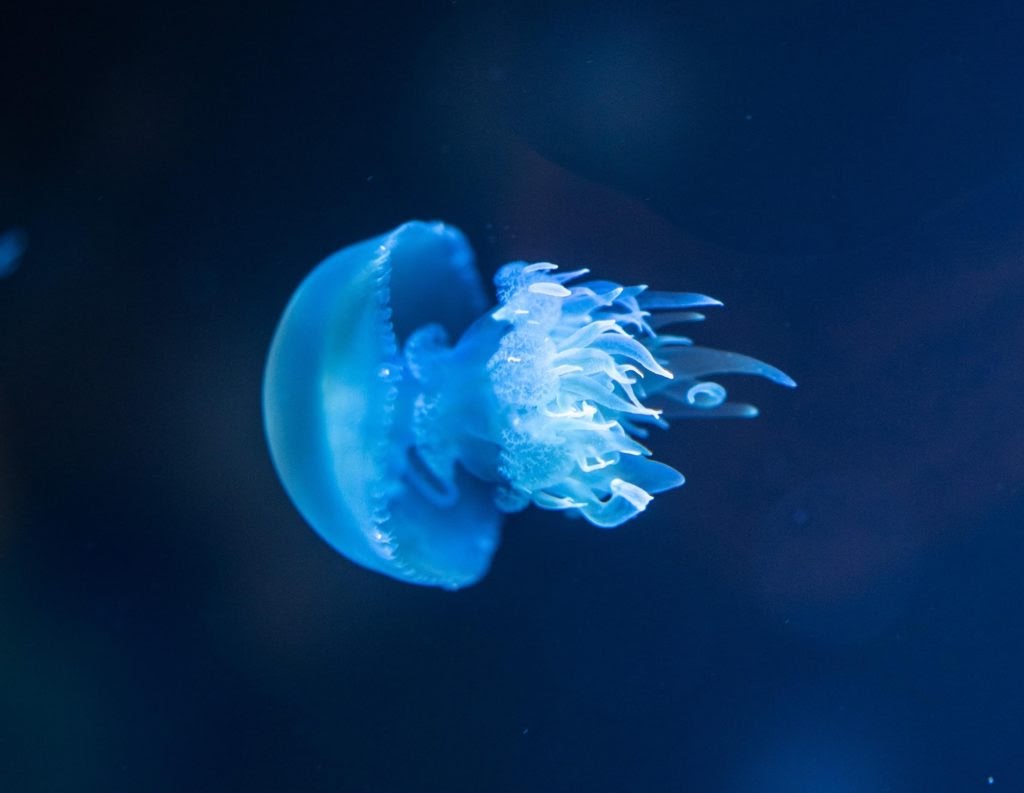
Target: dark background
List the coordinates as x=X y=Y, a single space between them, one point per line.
x=832 y=603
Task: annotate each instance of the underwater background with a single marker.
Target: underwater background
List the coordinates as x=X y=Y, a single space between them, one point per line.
x=833 y=601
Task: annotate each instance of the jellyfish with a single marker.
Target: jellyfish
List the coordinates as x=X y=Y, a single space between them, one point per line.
x=405 y=418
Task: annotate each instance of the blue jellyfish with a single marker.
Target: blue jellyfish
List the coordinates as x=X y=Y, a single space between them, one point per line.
x=405 y=418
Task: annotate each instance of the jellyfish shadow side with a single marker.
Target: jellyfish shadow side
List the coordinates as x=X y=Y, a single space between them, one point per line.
x=404 y=450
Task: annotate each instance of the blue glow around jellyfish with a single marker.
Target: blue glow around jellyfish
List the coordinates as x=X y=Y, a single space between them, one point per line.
x=405 y=418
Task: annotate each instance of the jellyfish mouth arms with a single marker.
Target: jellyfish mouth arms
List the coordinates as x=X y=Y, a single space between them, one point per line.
x=579 y=375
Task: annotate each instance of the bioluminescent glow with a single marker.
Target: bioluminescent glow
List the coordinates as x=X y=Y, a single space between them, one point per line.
x=405 y=419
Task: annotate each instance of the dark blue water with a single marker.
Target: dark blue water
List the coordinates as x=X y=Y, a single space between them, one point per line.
x=833 y=602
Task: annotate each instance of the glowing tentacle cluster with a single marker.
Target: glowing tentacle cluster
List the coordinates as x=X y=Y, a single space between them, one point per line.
x=570 y=376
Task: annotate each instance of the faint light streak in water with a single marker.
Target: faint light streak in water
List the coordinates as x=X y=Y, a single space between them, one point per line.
x=12 y=246
x=815 y=763
x=832 y=735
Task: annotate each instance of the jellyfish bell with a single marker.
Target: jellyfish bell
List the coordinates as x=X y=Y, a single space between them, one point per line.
x=330 y=390
x=405 y=419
